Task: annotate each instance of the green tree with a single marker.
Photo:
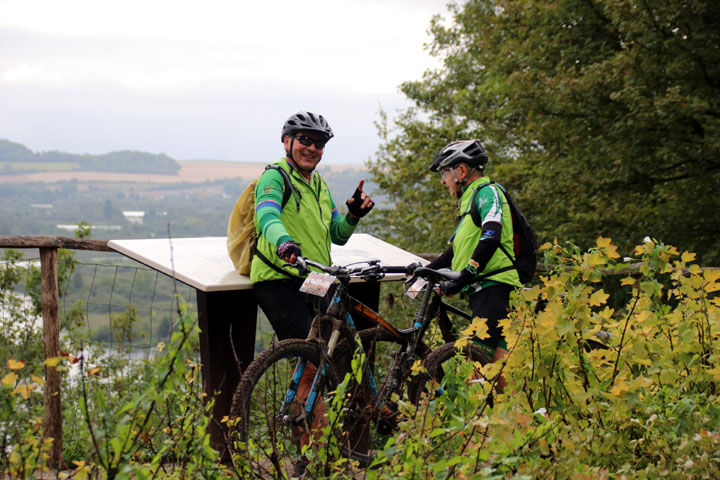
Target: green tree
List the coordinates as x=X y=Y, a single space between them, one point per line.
x=14 y=152
x=601 y=116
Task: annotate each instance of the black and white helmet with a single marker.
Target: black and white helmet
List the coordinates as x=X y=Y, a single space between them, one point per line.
x=306 y=121
x=470 y=152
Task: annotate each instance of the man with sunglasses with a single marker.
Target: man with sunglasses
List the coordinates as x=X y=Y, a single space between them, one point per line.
x=487 y=276
x=306 y=225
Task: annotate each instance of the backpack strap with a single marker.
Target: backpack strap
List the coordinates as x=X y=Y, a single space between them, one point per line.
x=272 y=265
x=288 y=187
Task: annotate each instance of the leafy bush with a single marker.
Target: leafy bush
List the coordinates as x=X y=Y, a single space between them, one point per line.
x=644 y=404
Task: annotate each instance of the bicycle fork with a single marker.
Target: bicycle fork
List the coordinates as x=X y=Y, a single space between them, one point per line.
x=307 y=415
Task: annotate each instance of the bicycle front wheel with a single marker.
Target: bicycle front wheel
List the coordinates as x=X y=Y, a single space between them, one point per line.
x=267 y=427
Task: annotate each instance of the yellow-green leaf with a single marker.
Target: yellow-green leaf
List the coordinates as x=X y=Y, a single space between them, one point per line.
x=603 y=242
x=715 y=372
x=13 y=364
x=598 y=298
x=643 y=316
x=481 y=328
x=417 y=367
x=52 y=362
x=23 y=390
x=9 y=379
x=687 y=257
x=461 y=342
x=619 y=388
x=594 y=259
x=641 y=382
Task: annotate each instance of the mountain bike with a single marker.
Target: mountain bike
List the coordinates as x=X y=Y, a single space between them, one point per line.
x=271 y=412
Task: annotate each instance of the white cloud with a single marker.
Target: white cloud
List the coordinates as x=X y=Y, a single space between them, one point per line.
x=180 y=76
x=25 y=73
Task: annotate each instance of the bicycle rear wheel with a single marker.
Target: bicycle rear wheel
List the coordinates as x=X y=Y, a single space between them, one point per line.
x=437 y=363
x=261 y=429
x=371 y=417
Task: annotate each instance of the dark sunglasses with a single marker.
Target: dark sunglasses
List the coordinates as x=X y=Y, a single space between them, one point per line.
x=307 y=141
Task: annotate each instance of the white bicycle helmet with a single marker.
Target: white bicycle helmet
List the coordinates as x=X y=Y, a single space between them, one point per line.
x=470 y=152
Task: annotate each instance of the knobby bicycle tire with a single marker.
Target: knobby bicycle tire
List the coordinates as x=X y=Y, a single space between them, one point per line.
x=270 y=438
x=255 y=428
x=436 y=364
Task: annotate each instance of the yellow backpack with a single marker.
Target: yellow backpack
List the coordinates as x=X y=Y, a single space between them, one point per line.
x=241 y=236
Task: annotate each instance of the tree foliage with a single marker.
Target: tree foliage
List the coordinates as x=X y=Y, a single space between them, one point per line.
x=602 y=117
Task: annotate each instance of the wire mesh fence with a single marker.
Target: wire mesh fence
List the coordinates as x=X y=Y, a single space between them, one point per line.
x=112 y=302
x=91 y=328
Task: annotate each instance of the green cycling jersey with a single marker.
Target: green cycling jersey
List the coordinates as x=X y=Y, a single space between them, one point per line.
x=493 y=207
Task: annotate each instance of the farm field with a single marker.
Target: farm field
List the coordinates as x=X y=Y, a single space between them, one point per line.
x=191 y=171
x=37 y=166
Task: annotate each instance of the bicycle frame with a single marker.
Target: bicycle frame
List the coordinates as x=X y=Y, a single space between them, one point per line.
x=339 y=313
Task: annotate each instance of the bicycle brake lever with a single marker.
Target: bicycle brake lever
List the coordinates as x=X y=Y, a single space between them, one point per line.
x=300 y=265
x=411 y=279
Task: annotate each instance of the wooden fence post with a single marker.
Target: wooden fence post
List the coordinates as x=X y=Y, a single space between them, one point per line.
x=52 y=417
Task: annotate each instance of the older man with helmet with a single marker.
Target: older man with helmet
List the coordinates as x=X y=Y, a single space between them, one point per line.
x=306 y=225
x=487 y=276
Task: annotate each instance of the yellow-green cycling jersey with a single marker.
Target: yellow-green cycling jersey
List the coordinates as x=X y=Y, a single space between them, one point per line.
x=309 y=218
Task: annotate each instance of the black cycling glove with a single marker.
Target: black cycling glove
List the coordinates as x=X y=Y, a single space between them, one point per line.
x=287 y=249
x=355 y=207
x=451 y=287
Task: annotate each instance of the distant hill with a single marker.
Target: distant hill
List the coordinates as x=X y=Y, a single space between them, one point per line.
x=17 y=158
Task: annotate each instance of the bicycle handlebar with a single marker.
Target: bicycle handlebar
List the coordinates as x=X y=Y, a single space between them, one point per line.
x=396 y=269
x=369 y=269
x=443 y=273
x=373 y=270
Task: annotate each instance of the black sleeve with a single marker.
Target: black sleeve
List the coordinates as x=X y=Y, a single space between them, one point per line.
x=489 y=242
x=443 y=261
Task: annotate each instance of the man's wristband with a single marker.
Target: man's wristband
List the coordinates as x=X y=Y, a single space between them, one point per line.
x=472 y=267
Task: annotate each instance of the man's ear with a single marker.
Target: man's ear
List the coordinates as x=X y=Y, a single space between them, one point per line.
x=462 y=172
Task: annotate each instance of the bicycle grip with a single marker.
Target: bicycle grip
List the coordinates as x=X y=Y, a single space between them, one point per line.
x=395 y=269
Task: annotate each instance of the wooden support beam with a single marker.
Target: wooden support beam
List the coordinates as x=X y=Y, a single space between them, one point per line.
x=52 y=416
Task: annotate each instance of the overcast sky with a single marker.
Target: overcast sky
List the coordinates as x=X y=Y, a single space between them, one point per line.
x=211 y=79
